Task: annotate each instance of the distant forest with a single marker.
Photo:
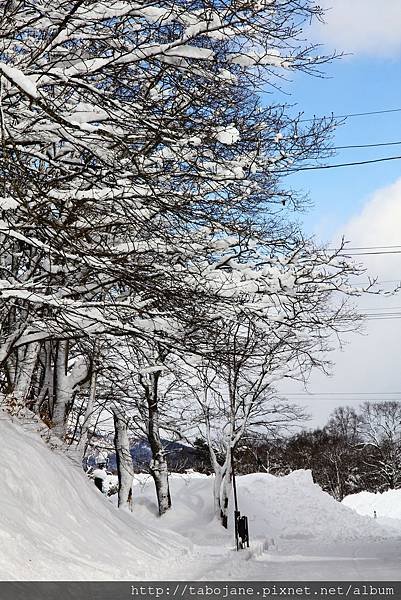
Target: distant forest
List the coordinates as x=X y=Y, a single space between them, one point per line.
x=356 y=450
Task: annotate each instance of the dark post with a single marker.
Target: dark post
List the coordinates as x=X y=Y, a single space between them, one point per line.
x=236 y=511
x=240 y=523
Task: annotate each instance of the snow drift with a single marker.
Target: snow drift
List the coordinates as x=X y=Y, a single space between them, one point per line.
x=56 y=525
x=294 y=507
x=290 y=507
x=386 y=504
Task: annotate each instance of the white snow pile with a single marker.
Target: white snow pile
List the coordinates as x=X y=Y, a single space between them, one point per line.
x=228 y=135
x=192 y=515
x=290 y=507
x=56 y=525
x=294 y=507
x=386 y=504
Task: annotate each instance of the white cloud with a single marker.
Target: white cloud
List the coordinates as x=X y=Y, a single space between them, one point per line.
x=370 y=362
x=378 y=224
x=370 y=27
x=380 y=211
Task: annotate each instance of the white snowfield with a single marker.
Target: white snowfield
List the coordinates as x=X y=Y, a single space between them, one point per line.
x=56 y=525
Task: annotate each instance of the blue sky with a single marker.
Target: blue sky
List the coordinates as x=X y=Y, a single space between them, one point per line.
x=363 y=202
x=352 y=85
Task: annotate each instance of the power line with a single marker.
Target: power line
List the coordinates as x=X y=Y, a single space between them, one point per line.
x=361 y=114
x=352 y=146
x=370 y=145
x=343 y=400
x=376 y=282
x=376 y=252
x=365 y=145
x=382 y=308
x=371 y=247
x=346 y=399
x=338 y=165
x=362 y=250
x=342 y=396
x=368 y=250
x=366 y=114
x=382 y=316
x=341 y=393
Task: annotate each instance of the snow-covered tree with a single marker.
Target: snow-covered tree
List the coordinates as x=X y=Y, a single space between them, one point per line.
x=142 y=200
x=132 y=142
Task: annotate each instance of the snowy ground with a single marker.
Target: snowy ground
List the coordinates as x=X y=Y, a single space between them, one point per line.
x=56 y=525
x=297 y=531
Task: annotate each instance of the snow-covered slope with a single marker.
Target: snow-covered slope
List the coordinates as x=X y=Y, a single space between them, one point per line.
x=56 y=525
x=386 y=504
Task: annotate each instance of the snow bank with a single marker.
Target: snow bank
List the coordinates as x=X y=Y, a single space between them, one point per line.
x=293 y=507
x=192 y=515
x=55 y=524
x=386 y=504
x=290 y=507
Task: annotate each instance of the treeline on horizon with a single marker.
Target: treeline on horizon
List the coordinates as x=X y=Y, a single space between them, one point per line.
x=357 y=450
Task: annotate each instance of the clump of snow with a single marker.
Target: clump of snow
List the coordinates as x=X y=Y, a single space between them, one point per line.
x=226 y=75
x=19 y=78
x=386 y=504
x=185 y=51
x=155 y=13
x=252 y=58
x=8 y=203
x=228 y=135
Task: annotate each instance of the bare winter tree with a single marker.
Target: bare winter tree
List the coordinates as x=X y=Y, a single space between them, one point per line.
x=380 y=430
x=278 y=331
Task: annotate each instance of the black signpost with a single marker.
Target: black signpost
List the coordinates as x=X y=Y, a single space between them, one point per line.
x=240 y=523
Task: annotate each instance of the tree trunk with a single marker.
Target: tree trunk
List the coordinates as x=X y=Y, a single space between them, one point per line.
x=225 y=495
x=125 y=468
x=158 y=466
x=23 y=379
x=221 y=486
x=159 y=471
x=218 y=477
x=61 y=392
x=65 y=388
x=222 y=478
x=84 y=439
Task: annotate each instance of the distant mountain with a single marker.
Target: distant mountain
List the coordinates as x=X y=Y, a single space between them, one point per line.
x=179 y=456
